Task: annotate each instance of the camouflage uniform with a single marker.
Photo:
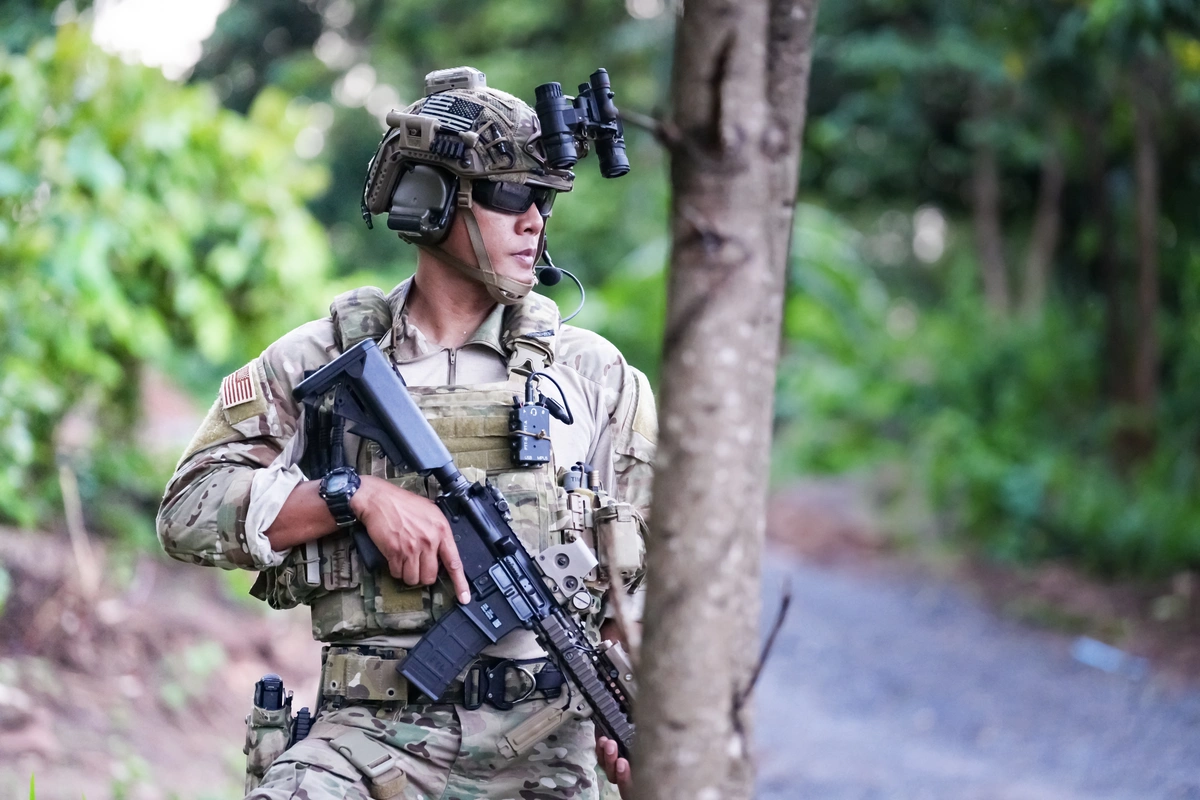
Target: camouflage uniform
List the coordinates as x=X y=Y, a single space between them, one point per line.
x=242 y=465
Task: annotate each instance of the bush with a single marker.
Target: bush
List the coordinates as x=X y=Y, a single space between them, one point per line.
x=139 y=221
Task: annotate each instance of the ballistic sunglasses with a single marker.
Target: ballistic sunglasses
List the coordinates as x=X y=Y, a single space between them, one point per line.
x=512 y=198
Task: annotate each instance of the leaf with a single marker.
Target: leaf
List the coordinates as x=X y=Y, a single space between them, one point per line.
x=91 y=164
x=12 y=180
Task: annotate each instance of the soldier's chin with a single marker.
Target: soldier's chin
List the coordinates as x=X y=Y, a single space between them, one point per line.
x=518 y=268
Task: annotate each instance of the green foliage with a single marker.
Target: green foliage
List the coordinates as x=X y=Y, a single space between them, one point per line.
x=138 y=220
x=1003 y=423
x=1021 y=430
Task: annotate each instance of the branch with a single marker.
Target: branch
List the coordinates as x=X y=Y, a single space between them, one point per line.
x=663 y=131
x=81 y=548
x=740 y=699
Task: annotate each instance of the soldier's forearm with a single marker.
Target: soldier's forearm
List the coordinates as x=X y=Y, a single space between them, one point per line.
x=303 y=517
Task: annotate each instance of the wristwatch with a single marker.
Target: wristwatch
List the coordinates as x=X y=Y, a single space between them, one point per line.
x=337 y=487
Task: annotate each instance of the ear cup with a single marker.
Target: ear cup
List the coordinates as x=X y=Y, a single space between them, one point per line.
x=422 y=204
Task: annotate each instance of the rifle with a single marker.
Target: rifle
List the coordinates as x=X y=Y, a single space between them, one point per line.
x=509 y=588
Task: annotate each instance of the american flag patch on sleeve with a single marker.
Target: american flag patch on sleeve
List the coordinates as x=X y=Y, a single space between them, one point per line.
x=238 y=388
x=454 y=113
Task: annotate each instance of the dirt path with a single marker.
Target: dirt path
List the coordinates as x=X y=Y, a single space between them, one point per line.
x=139 y=693
x=887 y=683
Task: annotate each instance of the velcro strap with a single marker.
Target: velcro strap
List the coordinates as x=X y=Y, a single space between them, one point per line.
x=377 y=764
x=366 y=678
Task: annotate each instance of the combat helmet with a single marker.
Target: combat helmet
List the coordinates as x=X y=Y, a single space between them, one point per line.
x=462 y=143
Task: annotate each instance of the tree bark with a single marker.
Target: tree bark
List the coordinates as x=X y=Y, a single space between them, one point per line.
x=739 y=89
x=1043 y=242
x=989 y=235
x=1108 y=264
x=1146 y=346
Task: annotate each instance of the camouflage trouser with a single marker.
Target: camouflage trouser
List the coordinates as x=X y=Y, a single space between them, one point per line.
x=447 y=753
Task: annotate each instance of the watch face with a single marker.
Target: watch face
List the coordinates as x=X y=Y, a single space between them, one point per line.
x=336 y=483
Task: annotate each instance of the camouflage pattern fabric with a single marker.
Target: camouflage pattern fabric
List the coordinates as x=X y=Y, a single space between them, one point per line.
x=446 y=752
x=360 y=314
x=267 y=736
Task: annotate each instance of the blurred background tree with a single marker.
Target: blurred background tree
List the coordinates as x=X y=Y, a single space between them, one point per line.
x=1024 y=189
x=994 y=291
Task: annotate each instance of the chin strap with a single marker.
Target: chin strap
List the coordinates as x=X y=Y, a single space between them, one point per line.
x=505 y=291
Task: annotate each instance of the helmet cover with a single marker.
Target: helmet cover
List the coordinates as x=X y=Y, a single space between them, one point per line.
x=476 y=132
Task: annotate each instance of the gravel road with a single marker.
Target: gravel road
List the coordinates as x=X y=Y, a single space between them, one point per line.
x=894 y=685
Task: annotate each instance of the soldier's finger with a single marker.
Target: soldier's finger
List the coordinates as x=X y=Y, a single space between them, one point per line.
x=396 y=567
x=411 y=572
x=448 y=553
x=606 y=752
x=429 y=567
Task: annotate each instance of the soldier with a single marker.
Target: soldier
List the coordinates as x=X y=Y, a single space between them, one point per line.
x=462 y=174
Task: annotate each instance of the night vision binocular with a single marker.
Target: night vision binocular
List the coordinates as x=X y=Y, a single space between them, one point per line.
x=569 y=124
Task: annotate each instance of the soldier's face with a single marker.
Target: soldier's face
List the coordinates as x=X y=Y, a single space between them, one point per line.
x=511 y=240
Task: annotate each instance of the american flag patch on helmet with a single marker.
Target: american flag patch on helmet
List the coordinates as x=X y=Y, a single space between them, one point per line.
x=238 y=388
x=453 y=112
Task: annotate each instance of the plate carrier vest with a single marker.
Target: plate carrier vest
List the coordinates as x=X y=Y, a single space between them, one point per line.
x=473 y=422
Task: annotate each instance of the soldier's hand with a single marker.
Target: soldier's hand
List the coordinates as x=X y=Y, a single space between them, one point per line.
x=411 y=532
x=615 y=767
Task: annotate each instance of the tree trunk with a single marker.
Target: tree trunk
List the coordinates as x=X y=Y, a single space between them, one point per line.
x=739 y=89
x=1046 y=226
x=1146 y=354
x=1108 y=265
x=989 y=235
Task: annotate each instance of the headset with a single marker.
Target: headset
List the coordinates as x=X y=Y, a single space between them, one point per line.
x=422 y=204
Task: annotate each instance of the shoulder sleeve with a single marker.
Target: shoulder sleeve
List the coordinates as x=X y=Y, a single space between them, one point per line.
x=629 y=404
x=244 y=451
x=635 y=437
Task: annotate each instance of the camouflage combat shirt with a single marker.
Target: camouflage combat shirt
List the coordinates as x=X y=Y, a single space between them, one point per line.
x=242 y=464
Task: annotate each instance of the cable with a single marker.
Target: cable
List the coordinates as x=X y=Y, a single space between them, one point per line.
x=582 y=296
x=570 y=420
x=550 y=275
